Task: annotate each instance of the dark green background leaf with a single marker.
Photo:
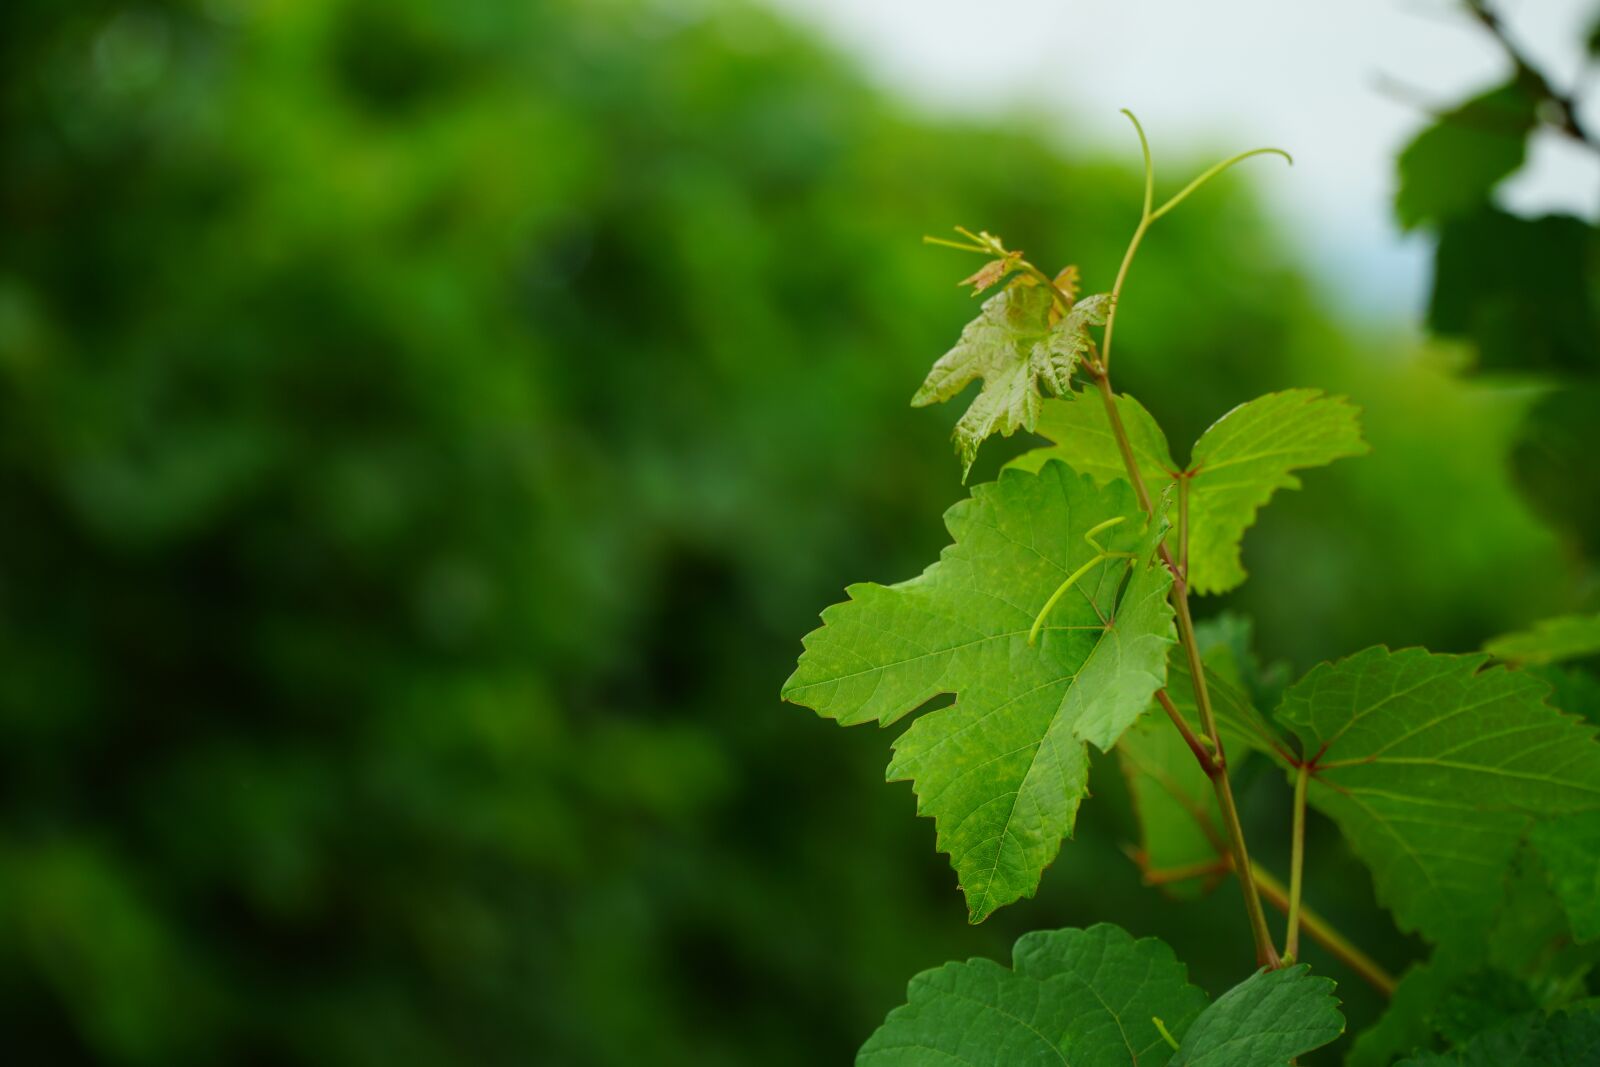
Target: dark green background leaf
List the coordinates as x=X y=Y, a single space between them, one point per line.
x=1452 y=166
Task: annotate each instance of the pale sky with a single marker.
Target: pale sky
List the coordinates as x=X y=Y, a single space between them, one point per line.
x=1225 y=75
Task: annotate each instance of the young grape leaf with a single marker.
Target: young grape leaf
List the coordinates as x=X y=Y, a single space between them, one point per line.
x=1093 y=997
x=1269 y=1018
x=1569 y=847
x=991 y=272
x=1433 y=769
x=1549 y=641
x=1002 y=770
x=1563 y=1039
x=1022 y=351
x=1453 y=165
x=1237 y=465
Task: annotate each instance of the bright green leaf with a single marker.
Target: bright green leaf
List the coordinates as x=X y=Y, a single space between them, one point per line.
x=1549 y=641
x=1269 y=1018
x=975 y=1013
x=1238 y=463
x=1434 y=769
x=1244 y=458
x=1091 y=997
x=1081 y=430
x=1563 y=1039
x=1453 y=165
x=1021 y=355
x=1002 y=771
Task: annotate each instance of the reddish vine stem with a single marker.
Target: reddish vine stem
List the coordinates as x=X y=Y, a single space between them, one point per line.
x=1216 y=765
x=1170 y=875
x=1196 y=746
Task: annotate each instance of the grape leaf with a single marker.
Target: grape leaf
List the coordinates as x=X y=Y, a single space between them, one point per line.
x=1002 y=770
x=991 y=273
x=1569 y=847
x=1082 y=997
x=1020 y=350
x=1453 y=165
x=1563 y=1039
x=1244 y=458
x=1549 y=641
x=1269 y=1018
x=1237 y=465
x=1434 y=769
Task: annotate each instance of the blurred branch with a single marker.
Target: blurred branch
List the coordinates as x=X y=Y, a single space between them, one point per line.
x=1562 y=106
x=1474 y=118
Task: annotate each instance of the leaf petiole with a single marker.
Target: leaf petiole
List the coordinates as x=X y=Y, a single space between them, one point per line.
x=1212 y=172
x=1297 y=862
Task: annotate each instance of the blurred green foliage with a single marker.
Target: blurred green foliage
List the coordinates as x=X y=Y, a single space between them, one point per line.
x=423 y=430
x=1523 y=292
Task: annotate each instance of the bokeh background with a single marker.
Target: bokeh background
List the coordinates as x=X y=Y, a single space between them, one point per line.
x=426 y=431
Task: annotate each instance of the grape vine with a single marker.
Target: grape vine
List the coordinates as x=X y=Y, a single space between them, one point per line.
x=1060 y=617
